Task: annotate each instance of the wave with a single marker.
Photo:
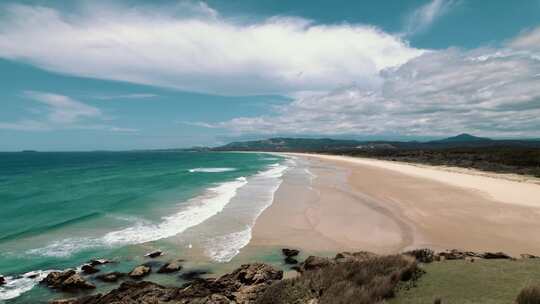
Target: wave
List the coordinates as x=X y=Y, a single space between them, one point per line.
x=15 y=286
x=196 y=211
x=225 y=247
x=40 y=230
x=211 y=170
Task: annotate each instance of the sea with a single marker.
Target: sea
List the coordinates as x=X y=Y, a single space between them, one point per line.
x=59 y=210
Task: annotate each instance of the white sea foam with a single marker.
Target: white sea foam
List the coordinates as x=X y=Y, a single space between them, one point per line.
x=15 y=286
x=211 y=170
x=197 y=211
x=65 y=247
x=261 y=189
x=226 y=247
x=193 y=213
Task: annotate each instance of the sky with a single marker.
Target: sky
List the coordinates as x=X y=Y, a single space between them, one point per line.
x=120 y=75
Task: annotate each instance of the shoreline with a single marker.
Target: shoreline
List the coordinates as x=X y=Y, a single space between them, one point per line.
x=386 y=207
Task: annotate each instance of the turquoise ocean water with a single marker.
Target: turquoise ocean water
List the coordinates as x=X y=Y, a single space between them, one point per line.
x=58 y=210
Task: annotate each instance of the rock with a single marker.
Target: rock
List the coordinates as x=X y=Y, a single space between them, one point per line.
x=111 y=276
x=353 y=256
x=154 y=254
x=290 y=260
x=290 y=252
x=170 y=267
x=314 y=262
x=452 y=255
x=423 y=255
x=67 y=280
x=528 y=256
x=495 y=255
x=132 y=293
x=97 y=262
x=2 y=280
x=140 y=271
x=76 y=282
x=193 y=275
x=242 y=286
x=89 y=269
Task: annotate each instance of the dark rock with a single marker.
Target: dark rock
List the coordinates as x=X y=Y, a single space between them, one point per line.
x=89 y=269
x=193 y=275
x=495 y=255
x=97 y=262
x=423 y=255
x=290 y=252
x=2 y=280
x=290 y=260
x=140 y=271
x=528 y=256
x=242 y=286
x=453 y=254
x=154 y=254
x=67 y=280
x=170 y=267
x=111 y=276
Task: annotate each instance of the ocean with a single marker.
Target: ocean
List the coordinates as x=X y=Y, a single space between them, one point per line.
x=61 y=209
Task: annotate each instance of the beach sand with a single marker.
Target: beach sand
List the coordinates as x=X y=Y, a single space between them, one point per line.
x=336 y=203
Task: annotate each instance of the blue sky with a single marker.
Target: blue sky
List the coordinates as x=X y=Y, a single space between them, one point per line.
x=88 y=75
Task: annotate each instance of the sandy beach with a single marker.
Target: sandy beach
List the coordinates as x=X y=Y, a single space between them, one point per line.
x=334 y=203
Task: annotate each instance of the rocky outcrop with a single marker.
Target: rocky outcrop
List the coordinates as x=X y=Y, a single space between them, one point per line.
x=67 y=280
x=193 y=274
x=423 y=255
x=140 y=272
x=110 y=277
x=290 y=252
x=154 y=254
x=170 y=267
x=242 y=286
x=495 y=255
x=89 y=269
x=2 y=280
x=528 y=256
x=97 y=262
x=290 y=260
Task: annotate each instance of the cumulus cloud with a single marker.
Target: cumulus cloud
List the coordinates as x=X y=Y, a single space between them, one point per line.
x=62 y=112
x=196 y=49
x=492 y=92
x=423 y=17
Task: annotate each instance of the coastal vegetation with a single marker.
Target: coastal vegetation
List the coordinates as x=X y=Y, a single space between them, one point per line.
x=464 y=150
x=418 y=276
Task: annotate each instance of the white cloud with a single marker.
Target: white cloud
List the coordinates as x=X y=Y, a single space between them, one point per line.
x=527 y=40
x=198 y=50
x=492 y=92
x=63 y=109
x=423 y=17
x=62 y=112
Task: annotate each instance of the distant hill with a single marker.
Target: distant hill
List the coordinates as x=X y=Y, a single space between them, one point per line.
x=463 y=138
x=285 y=144
x=290 y=144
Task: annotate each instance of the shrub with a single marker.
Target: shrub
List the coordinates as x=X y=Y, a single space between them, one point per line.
x=360 y=282
x=529 y=295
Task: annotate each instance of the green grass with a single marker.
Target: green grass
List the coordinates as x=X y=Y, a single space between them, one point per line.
x=484 y=281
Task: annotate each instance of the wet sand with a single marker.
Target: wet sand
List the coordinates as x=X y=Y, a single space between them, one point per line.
x=384 y=207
